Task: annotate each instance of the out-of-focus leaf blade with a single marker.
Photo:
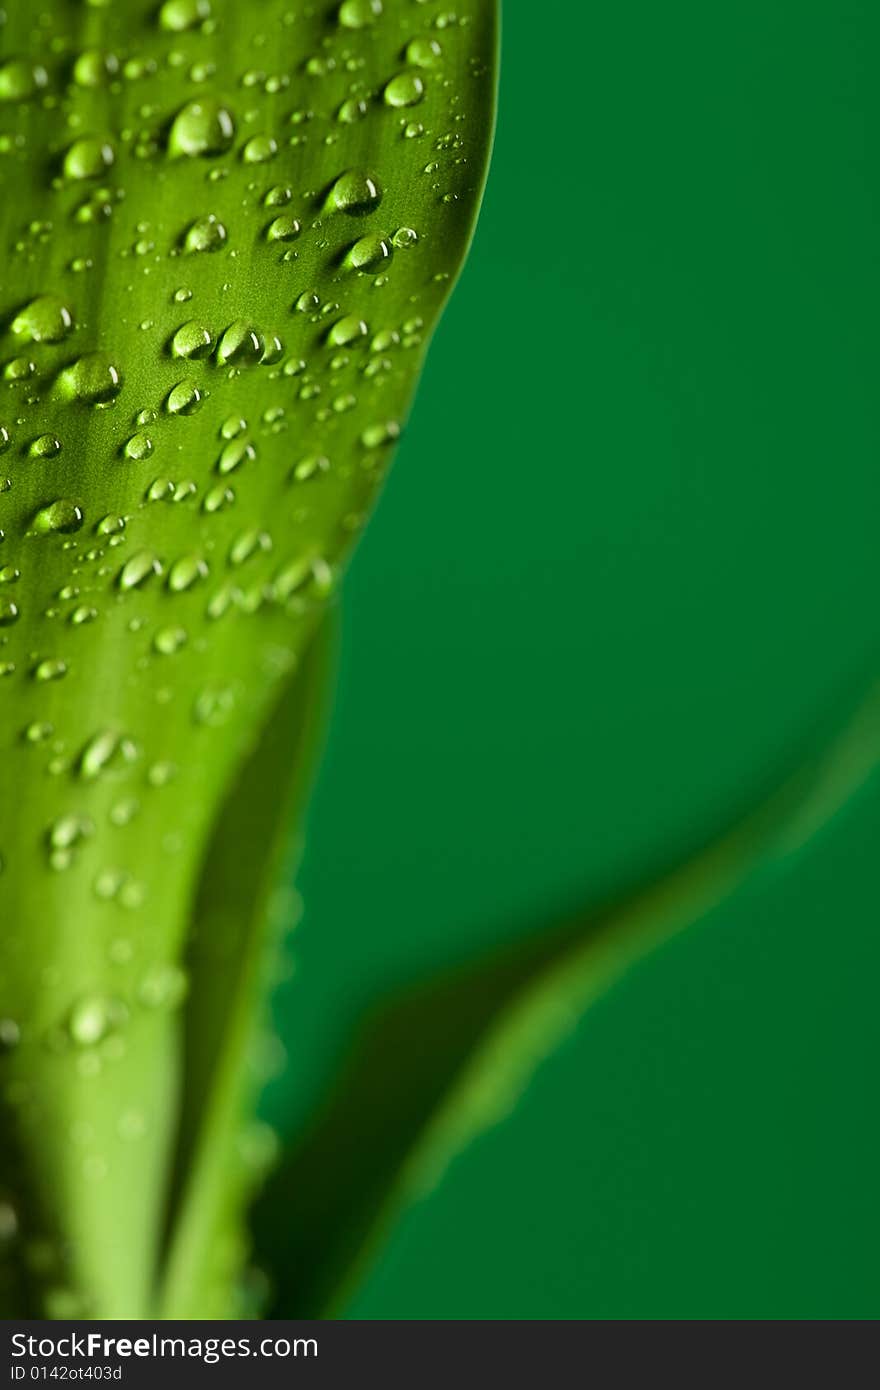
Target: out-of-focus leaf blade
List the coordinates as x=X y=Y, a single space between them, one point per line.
x=227 y=233
x=230 y=960
x=435 y=1068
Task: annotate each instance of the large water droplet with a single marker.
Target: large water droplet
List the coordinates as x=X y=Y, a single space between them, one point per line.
x=205 y=234
x=94 y=379
x=185 y=572
x=284 y=228
x=201 y=128
x=184 y=399
x=347 y=331
x=88 y=158
x=62 y=515
x=369 y=253
x=47 y=319
x=179 y=15
x=355 y=193
x=241 y=344
x=20 y=80
x=192 y=340
x=357 y=14
x=139 y=569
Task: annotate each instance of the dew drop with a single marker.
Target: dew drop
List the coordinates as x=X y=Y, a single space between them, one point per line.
x=201 y=128
x=169 y=640
x=259 y=149
x=21 y=80
x=185 y=572
x=52 y=669
x=357 y=14
x=138 y=448
x=94 y=379
x=92 y=1018
x=234 y=454
x=241 y=344
x=310 y=467
x=138 y=569
x=8 y=611
x=385 y=432
x=205 y=234
x=177 y=16
x=369 y=253
x=88 y=158
x=104 y=750
x=192 y=340
x=284 y=228
x=93 y=68
x=61 y=516
x=355 y=193
x=347 y=330
x=423 y=53
x=46 y=319
x=46 y=446
x=184 y=399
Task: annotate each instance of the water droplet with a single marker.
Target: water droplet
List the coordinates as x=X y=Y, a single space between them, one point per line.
x=185 y=572
x=179 y=15
x=241 y=344
x=355 y=193
x=10 y=1036
x=404 y=238
x=93 y=68
x=248 y=544
x=368 y=253
x=423 y=53
x=94 y=379
x=205 y=234
x=352 y=110
x=88 y=158
x=346 y=331
x=310 y=467
x=138 y=448
x=69 y=831
x=46 y=446
x=234 y=454
x=162 y=987
x=47 y=319
x=61 y=516
x=21 y=80
x=92 y=1018
x=139 y=569
x=233 y=426
x=386 y=432
x=357 y=14
x=184 y=399
x=259 y=149
x=192 y=340
x=284 y=228
x=52 y=669
x=104 y=750
x=169 y=640
x=217 y=499
x=203 y=128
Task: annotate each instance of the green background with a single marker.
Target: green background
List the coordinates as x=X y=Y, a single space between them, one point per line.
x=623 y=579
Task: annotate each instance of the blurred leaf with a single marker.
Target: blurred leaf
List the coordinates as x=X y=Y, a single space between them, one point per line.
x=434 y=1069
x=238 y=918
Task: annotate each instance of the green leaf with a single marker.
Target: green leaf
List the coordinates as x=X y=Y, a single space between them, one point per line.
x=230 y=962
x=228 y=233
x=436 y=1067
